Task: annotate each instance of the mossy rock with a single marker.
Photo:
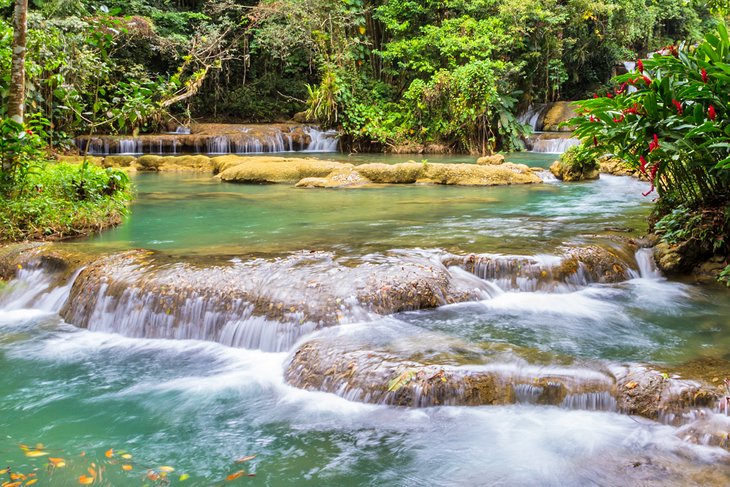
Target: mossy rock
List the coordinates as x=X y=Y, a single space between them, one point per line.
x=558 y=113
x=403 y=173
x=150 y=163
x=278 y=170
x=493 y=160
x=345 y=177
x=119 y=161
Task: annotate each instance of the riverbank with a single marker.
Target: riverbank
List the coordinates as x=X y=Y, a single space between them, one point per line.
x=59 y=201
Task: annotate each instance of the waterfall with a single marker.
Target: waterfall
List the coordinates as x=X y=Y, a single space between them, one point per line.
x=321 y=141
x=533 y=115
x=646 y=264
x=233 y=139
x=557 y=145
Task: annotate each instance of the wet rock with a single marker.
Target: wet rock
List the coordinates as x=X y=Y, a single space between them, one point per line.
x=675 y=259
x=260 y=303
x=577 y=267
x=495 y=159
x=319 y=173
x=339 y=178
x=556 y=114
x=567 y=173
x=119 y=161
x=618 y=167
x=56 y=259
x=259 y=170
x=654 y=394
x=347 y=368
x=710 y=429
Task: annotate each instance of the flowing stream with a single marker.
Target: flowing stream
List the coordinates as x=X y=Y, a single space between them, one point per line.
x=200 y=404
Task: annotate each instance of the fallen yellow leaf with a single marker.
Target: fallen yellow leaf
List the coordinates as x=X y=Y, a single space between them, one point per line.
x=57 y=462
x=166 y=469
x=235 y=475
x=127 y=468
x=631 y=385
x=86 y=480
x=109 y=453
x=184 y=477
x=35 y=453
x=126 y=456
x=31 y=482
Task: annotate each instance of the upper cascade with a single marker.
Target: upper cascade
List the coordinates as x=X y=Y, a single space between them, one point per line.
x=545 y=120
x=215 y=139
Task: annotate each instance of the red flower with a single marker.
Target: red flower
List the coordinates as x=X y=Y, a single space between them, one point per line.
x=677 y=105
x=642 y=165
x=595 y=95
x=29 y=131
x=654 y=144
x=622 y=88
x=704 y=75
x=711 y=114
x=609 y=95
x=592 y=119
x=646 y=80
x=618 y=119
x=640 y=66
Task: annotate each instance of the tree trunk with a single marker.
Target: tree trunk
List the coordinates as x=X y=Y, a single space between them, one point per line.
x=16 y=95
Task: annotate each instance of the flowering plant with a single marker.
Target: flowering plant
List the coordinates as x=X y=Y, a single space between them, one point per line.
x=670 y=119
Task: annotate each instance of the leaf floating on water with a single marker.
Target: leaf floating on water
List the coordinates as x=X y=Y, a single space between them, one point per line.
x=246 y=458
x=36 y=453
x=12 y=484
x=166 y=469
x=236 y=475
x=86 y=480
x=127 y=468
x=31 y=482
x=109 y=453
x=184 y=477
x=126 y=456
x=152 y=475
x=57 y=462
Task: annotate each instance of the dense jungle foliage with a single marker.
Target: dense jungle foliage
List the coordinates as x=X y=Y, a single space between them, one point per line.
x=389 y=72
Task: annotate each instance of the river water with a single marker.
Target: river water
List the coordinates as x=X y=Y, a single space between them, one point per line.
x=199 y=406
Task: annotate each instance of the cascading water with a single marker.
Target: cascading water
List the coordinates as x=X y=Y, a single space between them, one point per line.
x=558 y=320
x=322 y=141
x=237 y=139
x=540 y=140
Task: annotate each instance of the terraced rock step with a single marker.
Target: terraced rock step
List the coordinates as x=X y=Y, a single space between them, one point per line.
x=496 y=375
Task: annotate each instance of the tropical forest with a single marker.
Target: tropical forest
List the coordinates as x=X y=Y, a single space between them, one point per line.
x=365 y=243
